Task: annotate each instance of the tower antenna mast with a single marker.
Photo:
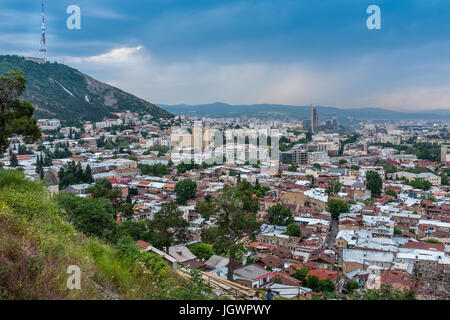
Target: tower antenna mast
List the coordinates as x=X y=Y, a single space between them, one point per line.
x=43 y=48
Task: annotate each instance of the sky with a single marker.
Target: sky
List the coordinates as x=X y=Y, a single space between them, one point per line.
x=295 y=52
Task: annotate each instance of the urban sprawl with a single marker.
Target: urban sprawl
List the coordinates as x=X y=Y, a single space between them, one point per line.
x=338 y=211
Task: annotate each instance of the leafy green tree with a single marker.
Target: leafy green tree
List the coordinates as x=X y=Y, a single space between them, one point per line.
x=343 y=161
x=183 y=167
x=334 y=187
x=280 y=215
x=421 y=184
x=16 y=115
x=351 y=285
x=103 y=189
x=398 y=231
x=293 y=230
x=126 y=209
x=168 y=226
x=325 y=285
x=91 y=216
x=236 y=210
x=13 y=162
x=384 y=293
x=202 y=250
x=185 y=190
x=215 y=237
x=196 y=288
x=374 y=183
x=391 y=192
x=205 y=208
x=88 y=175
x=312 y=282
x=137 y=230
x=337 y=206
x=300 y=274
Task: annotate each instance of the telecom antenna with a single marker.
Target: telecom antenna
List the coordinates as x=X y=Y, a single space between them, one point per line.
x=43 y=49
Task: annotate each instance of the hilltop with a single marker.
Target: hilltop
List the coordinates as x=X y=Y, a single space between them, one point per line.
x=59 y=91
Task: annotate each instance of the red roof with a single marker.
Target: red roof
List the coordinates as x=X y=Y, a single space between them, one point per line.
x=113 y=181
x=425 y=245
x=323 y=274
x=143 y=244
x=22 y=157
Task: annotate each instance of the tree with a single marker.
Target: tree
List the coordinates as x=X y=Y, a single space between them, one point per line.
x=91 y=216
x=391 y=192
x=185 y=190
x=343 y=161
x=103 y=189
x=337 y=206
x=397 y=231
x=88 y=175
x=205 y=208
x=16 y=116
x=136 y=230
x=312 y=282
x=384 y=293
x=202 y=250
x=421 y=184
x=334 y=187
x=168 y=226
x=293 y=230
x=300 y=274
x=374 y=183
x=280 y=215
x=236 y=210
x=351 y=285
x=325 y=285
x=13 y=162
x=38 y=164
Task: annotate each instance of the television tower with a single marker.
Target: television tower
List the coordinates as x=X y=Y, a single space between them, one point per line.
x=43 y=49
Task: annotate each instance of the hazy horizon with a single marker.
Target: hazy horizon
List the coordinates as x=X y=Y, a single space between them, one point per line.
x=249 y=52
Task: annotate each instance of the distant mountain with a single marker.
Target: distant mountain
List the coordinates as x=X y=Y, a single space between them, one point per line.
x=59 y=91
x=286 y=112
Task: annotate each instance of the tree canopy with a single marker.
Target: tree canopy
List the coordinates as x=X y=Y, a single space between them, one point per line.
x=337 y=206
x=374 y=183
x=185 y=190
x=280 y=215
x=16 y=116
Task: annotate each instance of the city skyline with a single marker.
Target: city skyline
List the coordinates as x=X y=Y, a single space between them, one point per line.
x=246 y=52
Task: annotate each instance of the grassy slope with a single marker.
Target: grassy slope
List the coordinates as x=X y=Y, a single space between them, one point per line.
x=51 y=100
x=37 y=245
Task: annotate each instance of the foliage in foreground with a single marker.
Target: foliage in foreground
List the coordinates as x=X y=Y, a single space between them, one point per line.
x=37 y=245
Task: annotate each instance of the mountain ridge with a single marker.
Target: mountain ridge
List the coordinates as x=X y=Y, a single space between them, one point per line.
x=266 y=110
x=58 y=90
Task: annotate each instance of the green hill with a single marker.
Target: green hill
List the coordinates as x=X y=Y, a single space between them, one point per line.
x=37 y=245
x=59 y=91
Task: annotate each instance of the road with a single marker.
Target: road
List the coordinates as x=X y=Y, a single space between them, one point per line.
x=331 y=238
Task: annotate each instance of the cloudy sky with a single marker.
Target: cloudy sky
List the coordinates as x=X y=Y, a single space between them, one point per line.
x=296 y=52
